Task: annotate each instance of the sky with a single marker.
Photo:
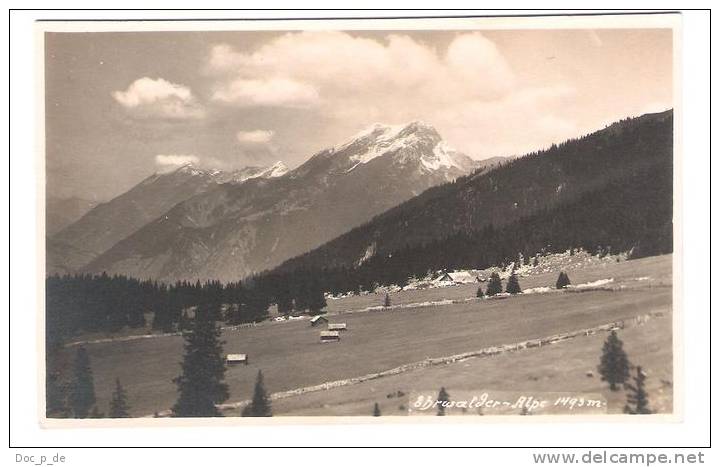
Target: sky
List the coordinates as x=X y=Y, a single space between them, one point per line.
x=120 y=106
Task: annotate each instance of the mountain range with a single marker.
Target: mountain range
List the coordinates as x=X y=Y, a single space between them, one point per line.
x=201 y=224
x=617 y=182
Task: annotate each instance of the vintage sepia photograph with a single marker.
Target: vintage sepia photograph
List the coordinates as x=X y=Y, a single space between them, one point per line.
x=370 y=218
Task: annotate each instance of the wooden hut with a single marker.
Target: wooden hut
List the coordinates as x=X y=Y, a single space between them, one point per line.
x=315 y=320
x=337 y=327
x=329 y=336
x=236 y=359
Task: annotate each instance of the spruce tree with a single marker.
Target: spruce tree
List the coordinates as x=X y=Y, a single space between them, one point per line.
x=55 y=406
x=479 y=293
x=387 y=301
x=376 y=410
x=55 y=386
x=316 y=298
x=118 y=404
x=442 y=398
x=562 y=281
x=637 y=398
x=614 y=366
x=185 y=322
x=201 y=384
x=513 y=286
x=82 y=396
x=495 y=285
x=285 y=304
x=234 y=314
x=260 y=405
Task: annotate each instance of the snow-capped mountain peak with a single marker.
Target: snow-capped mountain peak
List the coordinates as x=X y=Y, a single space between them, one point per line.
x=277 y=170
x=190 y=169
x=414 y=141
x=246 y=173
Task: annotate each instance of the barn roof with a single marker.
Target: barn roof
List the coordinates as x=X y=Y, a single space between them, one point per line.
x=236 y=356
x=463 y=276
x=315 y=319
x=329 y=334
x=332 y=326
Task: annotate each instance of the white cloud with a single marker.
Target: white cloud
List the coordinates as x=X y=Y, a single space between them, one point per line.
x=267 y=92
x=254 y=136
x=158 y=98
x=175 y=160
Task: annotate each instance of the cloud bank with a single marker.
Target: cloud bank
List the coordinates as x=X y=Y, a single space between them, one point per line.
x=462 y=90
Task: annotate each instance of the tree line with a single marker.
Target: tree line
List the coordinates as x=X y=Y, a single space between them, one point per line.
x=83 y=303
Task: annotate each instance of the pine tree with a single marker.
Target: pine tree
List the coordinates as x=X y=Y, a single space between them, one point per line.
x=376 y=410
x=637 y=398
x=285 y=303
x=513 y=286
x=442 y=399
x=55 y=386
x=562 y=281
x=118 y=404
x=55 y=406
x=260 y=405
x=387 y=301
x=82 y=396
x=200 y=385
x=479 y=293
x=536 y=261
x=614 y=366
x=494 y=286
x=316 y=298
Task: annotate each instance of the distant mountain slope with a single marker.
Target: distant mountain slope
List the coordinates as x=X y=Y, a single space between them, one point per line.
x=108 y=223
x=517 y=189
x=61 y=212
x=232 y=231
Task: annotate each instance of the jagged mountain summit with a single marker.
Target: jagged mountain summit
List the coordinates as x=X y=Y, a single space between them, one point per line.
x=415 y=145
x=107 y=223
x=246 y=173
x=233 y=230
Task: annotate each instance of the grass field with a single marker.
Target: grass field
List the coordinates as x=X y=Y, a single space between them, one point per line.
x=291 y=356
x=563 y=367
x=624 y=272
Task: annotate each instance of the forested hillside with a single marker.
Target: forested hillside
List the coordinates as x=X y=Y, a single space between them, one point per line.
x=523 y=187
